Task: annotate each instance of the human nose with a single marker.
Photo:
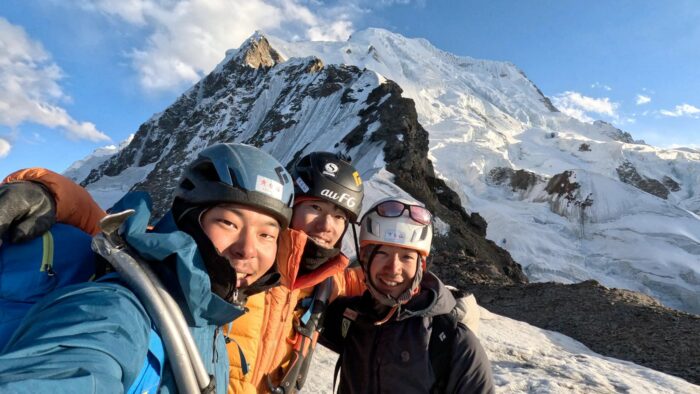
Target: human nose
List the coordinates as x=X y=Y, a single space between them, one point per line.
x=324 y=222
x=394 y=264
x=244 y=247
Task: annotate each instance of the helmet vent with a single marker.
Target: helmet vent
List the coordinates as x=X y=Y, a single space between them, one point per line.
x=424 y=233
x=187 y=184
x=207 y=171
x=234 y=179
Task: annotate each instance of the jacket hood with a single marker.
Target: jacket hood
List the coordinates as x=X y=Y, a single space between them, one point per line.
x=432 y=300
x=174 y=256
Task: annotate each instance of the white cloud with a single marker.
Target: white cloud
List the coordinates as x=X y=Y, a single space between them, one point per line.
x=601 y=86
x=5 y=147
x=642 y=99
x=682 y=110
x=30 y=89
x=582 y=107
x=187 y=38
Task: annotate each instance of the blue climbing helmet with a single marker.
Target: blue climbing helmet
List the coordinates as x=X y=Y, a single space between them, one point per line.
x=239 y=174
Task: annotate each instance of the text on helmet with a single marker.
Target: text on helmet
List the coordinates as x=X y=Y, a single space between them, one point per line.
x=343 y=199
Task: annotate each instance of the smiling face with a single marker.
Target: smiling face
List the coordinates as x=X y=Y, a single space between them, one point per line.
x=245 y=237
x=322 y=221
x=392 y=269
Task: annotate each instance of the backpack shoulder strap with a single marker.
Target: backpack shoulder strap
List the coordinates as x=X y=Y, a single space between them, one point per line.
x=440 y=348
x=151 y=373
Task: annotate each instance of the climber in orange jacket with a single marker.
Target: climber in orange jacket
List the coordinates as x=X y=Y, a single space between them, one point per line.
x=328 y=197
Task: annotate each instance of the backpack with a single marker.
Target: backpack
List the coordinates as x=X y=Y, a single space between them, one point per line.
x=32 y=269
x=58 y=258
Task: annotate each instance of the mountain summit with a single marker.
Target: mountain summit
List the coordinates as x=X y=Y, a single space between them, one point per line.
x=570 y=201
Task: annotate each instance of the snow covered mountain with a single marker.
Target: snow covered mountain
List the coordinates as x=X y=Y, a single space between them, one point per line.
x=293 y=107
x=569 y=200
x=504 y=171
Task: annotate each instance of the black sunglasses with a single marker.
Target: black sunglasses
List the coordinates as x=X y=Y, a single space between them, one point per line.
x=394 y=209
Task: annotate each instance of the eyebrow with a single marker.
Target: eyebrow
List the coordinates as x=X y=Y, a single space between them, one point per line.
x=237 y=212
x=339 y=209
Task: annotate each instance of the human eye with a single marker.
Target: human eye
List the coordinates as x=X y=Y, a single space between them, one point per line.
x=341 y=217
x=270 y=234
x=226 y=223
x=410 y=257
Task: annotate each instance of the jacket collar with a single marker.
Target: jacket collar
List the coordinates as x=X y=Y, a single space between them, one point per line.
x=289 y=255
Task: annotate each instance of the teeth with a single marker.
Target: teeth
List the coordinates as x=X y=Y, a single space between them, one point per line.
x=240 y=275
x=390 y=283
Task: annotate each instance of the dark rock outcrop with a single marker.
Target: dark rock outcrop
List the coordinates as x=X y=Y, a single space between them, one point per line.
x=516 y=179
x=628 y=174
x=615 y=133
x=617 y=323
x=464 y=252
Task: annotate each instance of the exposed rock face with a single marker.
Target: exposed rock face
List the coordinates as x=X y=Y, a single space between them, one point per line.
x=254 y=97
x=628 y=174
x=561 y=185
x=464 y=252
x=616 y=133
x=617 y=323
x=516 y=179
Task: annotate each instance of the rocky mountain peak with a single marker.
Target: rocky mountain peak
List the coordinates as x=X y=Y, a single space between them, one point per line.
x=256 y=52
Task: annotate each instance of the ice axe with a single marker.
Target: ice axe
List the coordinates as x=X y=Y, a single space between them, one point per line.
x=188 y=369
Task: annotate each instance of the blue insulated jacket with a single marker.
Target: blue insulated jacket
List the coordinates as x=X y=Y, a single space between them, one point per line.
x=94 y=337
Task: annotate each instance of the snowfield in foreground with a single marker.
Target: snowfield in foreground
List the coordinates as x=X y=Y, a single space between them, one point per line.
x=527 y=359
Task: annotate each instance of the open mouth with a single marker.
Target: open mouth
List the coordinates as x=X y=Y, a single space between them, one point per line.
x=390 y=283
x=241 y=275
x=320 y=241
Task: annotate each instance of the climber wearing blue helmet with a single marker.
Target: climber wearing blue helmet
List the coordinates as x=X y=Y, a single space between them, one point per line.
x=216 y=246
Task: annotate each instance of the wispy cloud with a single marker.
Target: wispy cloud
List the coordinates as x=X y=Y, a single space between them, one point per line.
x=187 y=38
x=642 y=99
x=598 y=85
x=682 y=110
x=30 y=89
x=5 y=147
x=583 y=107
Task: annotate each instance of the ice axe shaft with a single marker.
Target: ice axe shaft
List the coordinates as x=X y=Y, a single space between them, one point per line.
x=188 y=369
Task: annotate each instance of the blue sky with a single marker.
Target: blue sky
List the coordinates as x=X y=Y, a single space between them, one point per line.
x=80 y=74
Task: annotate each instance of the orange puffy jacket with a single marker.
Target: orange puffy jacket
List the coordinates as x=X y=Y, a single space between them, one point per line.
x=266 y=332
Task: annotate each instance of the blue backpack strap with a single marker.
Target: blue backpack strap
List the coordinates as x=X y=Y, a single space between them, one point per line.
x=245 y=367
x=148 y=380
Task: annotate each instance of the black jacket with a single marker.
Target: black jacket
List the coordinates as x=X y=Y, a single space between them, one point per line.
x=393 y=357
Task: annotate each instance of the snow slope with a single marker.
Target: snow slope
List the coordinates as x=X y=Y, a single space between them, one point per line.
x=482 y=115
x=526 y=359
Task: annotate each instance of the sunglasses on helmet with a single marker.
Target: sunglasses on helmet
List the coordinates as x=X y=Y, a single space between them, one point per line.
x=394 y=209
